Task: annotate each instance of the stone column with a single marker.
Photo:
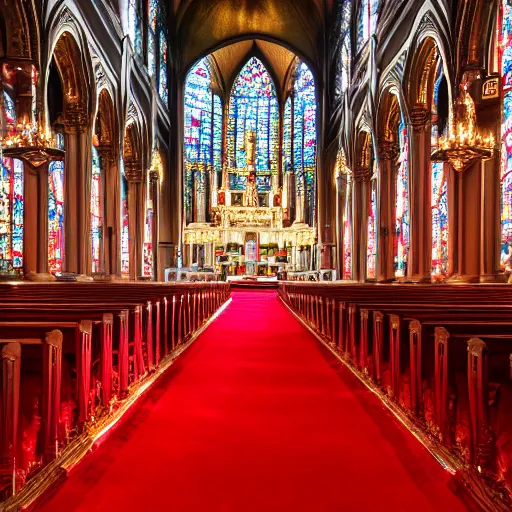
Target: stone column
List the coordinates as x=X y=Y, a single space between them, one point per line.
x=388 y=152
x=110 y=206
x=420 y=192
x=360 y=195
x=35 y=220
x=77 y=191
x=133 y=173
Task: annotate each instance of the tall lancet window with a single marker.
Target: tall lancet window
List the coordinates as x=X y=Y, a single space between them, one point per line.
x=346 y=46
x=440 y=227
x=96 y=212
x=505 y=54
x=217 y=134
x=402 y=227
x=371 y=241
x=162 y=67
x=197 y=140
x=304 y=142
x=11 y=201
x=253 y=111
x=135 y=18
x=287 y=136
x=367 y=21
x=125 y=225
x=153 y=15
x=55 y=216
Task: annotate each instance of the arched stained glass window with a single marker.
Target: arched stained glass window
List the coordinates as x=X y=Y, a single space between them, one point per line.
x=198 y=133
x=148 y=236
x=402 y=228
x=505 y=39
x=9 y=110
x=217 y=134
x=287 y=136
x=96 y=212
x=347 y=235
x=440 y=227
x=162 y=73
x=304 y=139
x=346 y=46
x=55 y=216
x=367 y=21
x=153 y=14
x=135 y=24
x=11 y=214
x=371 y=247
x=253 y=109
x=125 y=230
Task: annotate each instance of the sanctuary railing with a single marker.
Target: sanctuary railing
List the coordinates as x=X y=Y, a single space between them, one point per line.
x=75 y=357
x=439 y=356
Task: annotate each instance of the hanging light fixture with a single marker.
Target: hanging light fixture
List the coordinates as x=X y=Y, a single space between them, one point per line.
x=464 y=144
x=32 y=143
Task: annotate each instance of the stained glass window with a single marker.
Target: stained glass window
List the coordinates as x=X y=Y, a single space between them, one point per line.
x=346 y=47
x=347 y=236
x=287 y=136
x=9 y=110
x=371 y=249
x=148 y=238
x=162 y=72
x=55 y=216
x=505 y=31
x=217 y=134
x=402 y=204
x=367 y=21
x=11 y=214
x=153 y=13
x=253 y=108
x=440 y=227
x=96 y=212
x=198 y=131
x=304 y=137
x=135 y=24
x=125 y=230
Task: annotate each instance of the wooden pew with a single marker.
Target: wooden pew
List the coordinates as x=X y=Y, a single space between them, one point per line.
x=425 y=349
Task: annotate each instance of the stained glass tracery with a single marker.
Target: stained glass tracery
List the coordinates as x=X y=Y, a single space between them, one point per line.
x=125 y=230
x=135 y=24
x=55 y=216
x=439 y=203
x=153 y=14
x=11 y=214
x=253 y=108
x=371 y=247
x=96 y=212
x=505 y=55
x=198 y=133
x=367 y=21
x=304 y=138
x=162 y=73
x=347 y=235
x=346 y=45
x=402 y=228
x=148 y=236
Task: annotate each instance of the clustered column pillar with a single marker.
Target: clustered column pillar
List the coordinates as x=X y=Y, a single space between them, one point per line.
x=420 y=209
x=77 y=190
x=388 y=152
x=133 y=173
x=154 y=181
x=362 y=177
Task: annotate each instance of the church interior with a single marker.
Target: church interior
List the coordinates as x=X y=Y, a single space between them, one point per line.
x=255 y=255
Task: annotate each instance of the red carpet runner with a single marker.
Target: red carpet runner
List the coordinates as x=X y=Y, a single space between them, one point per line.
x=257 y=416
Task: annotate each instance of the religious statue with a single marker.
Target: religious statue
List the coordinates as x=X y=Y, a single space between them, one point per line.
x=251 y=192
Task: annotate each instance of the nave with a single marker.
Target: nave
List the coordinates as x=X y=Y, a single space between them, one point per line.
x=256 y=416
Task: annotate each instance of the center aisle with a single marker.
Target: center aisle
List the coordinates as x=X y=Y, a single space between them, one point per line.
x=257 y=416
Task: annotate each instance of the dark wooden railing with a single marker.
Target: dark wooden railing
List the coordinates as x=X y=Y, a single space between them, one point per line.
x=74 y=359
x=439 y=356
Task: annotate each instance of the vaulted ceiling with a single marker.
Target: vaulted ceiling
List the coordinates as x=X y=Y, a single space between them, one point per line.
x=230 y=59
x=204 y=26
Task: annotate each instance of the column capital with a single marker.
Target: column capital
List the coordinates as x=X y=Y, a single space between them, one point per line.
x=76 y=118
x=420 y=117
x=154 y=176
x=133 y=172
x=362 y=172
x=388 y=150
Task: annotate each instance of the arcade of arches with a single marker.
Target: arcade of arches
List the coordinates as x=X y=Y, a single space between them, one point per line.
x=166 y=152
